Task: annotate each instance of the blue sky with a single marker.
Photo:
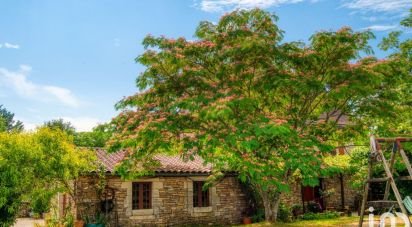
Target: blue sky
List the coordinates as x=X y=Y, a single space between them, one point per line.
x=75 y=59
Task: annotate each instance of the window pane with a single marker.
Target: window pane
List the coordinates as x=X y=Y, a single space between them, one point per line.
x=195 y=194
x=141 y=195
x=205 y=198
x=200 y=197
x=135 y=196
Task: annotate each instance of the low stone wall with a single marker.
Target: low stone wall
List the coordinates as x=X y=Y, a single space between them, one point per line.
x=172 y=202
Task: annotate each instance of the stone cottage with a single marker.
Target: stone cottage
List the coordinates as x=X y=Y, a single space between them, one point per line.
x=173 y=196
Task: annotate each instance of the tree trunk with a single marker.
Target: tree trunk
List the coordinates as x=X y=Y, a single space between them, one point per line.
x=271 y=204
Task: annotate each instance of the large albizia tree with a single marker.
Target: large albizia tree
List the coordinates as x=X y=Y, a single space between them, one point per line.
x=245 y=101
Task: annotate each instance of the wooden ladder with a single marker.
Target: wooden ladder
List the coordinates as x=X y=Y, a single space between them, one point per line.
x=376 y=155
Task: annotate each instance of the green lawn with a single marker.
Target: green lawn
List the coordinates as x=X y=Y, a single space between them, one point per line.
x=341 y=221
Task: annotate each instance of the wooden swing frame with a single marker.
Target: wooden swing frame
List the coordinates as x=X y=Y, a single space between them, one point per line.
x=377 y=153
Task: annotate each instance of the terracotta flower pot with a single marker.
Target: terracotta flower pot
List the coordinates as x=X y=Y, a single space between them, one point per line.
x=247 y=220
x=79 y=223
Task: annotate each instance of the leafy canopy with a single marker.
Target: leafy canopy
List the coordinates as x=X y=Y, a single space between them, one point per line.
x=96 y=138
x=245 y=101
x=60 y=124
x=7 y=122
x=31 y=161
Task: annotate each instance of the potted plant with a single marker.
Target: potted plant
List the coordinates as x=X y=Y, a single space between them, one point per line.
x=99 y=220
x=79 y=223
x=247 y=216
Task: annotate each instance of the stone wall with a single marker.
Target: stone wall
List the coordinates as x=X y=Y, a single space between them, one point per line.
x=334 y=201
x=172 y=202
x=294 y=196
x=330 y=185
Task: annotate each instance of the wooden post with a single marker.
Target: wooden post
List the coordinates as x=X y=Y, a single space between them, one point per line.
x=393 y=184
x=365 y=194
x=391 y=167
x=405 y=158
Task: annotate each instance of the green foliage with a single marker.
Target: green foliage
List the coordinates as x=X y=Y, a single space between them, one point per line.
x=40 y=200
x=394 y=126
x=96 y=138
x=337 y=164
x=390 y=42
x=7 y=122
x=320 y=216
x=284 y=213
x=99 y=218
x=68 y=219
x=407 y=22
x=45 y=159
x=245 y=101
x=401 y=56
x=3 y=125
x=60 y=124
x=258 y=216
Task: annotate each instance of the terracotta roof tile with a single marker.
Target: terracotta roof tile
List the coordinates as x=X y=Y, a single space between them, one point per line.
x=176 y=164
x=109 y=160
x=168 y=164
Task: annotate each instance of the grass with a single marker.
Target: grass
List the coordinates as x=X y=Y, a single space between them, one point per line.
x=341 y=221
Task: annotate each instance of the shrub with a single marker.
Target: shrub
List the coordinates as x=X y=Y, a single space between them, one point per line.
x=314 y=207
x=258 y=216
x=41 y=201
x=297 y=210
x=316 y=216
x=284 y=213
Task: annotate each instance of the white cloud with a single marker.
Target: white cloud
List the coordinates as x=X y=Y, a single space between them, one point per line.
x=371 y=19
x=62 y=94
x=378 y=5
x=380 y=27
x=18 y=82
x=82 y=124
x=228 y=5
x=11 y=46
x=28 y=126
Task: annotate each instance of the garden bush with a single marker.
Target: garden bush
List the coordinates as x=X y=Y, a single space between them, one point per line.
x=258 y=216
x=316 y=216
x=314 y=207
x=40 y=202
x=284 y=213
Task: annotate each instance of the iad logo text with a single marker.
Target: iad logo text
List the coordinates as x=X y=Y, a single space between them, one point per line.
x=389 y=215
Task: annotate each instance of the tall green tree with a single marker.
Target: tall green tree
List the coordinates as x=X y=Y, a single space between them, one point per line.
x=7 y=121
x=44 y=159
x=401 y=54
x=60 y=124
x=247 y=102
x=96 y=138
x=3 y=125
